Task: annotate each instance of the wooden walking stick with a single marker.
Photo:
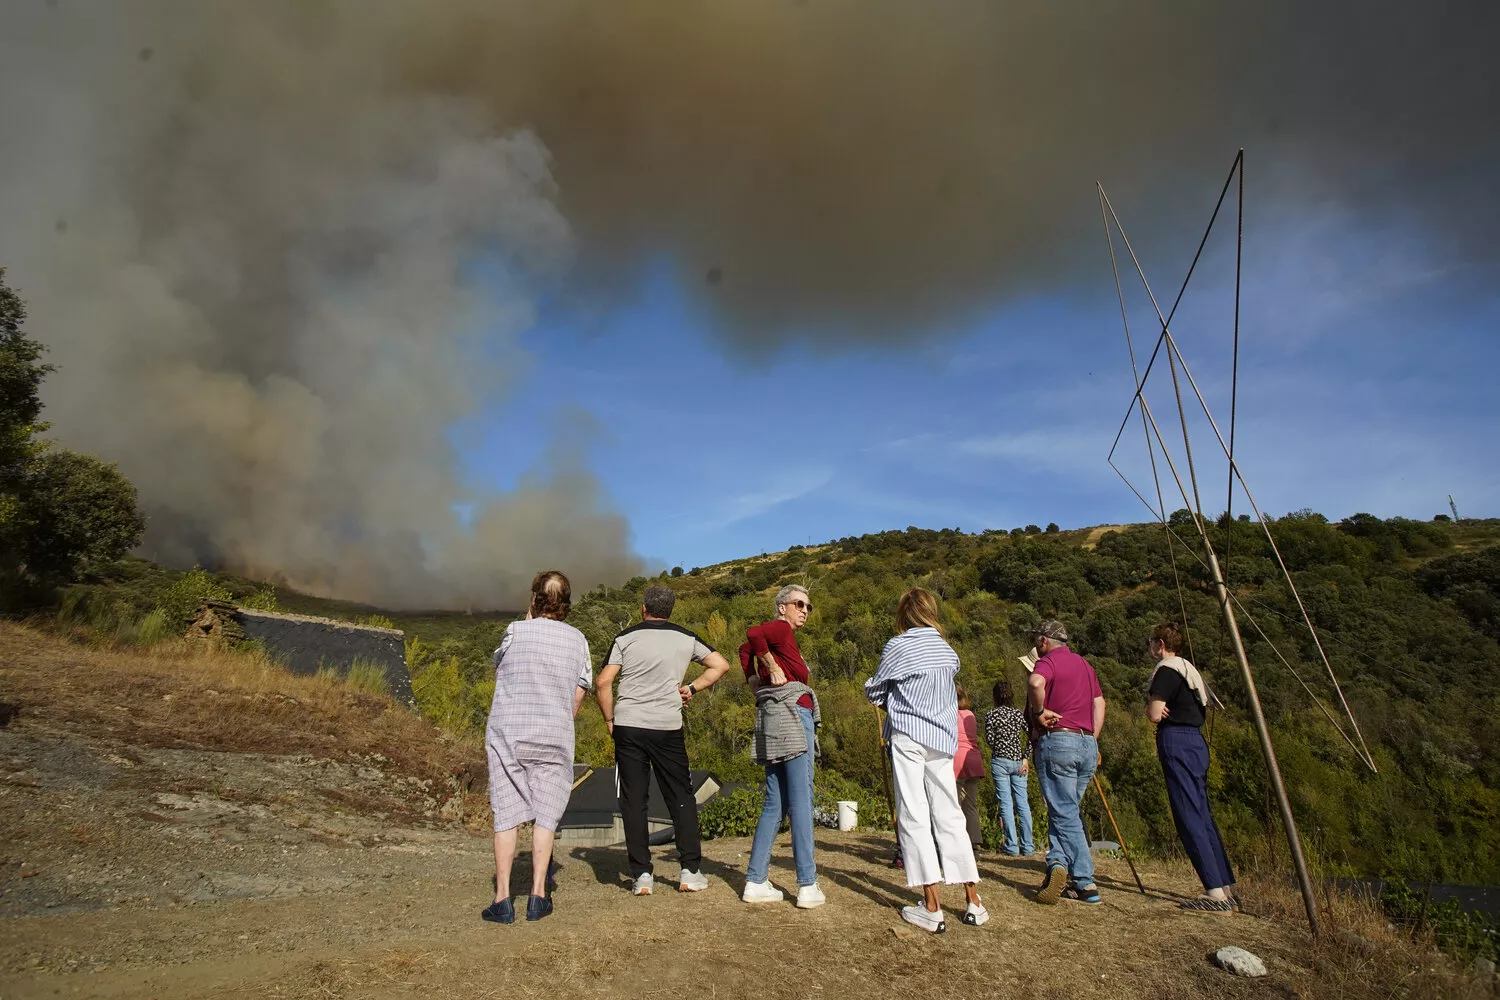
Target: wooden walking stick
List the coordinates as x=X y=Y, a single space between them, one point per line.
x=885 y=774
x=1123 y=849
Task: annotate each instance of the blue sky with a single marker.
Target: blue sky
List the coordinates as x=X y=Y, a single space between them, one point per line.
x=1365 y=370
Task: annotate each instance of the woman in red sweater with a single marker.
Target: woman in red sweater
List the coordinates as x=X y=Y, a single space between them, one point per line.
x=771 y=659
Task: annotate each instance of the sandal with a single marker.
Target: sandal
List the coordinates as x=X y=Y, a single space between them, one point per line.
x=1206 y=904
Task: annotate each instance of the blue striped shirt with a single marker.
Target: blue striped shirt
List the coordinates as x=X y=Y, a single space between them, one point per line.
x=914 y=684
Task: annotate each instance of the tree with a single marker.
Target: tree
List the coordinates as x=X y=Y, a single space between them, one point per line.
x=61 y=513
x=1052 y=528
x=676 y=570
x=21 y=377
x=76 y=513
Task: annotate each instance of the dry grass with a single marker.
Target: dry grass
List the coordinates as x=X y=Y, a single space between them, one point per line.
x=1359 y=954
x=420 y=936
x=180 y=693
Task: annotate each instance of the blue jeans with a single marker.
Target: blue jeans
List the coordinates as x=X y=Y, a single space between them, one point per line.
x=1015 y=808
x=1065 y=765
x=789 y=791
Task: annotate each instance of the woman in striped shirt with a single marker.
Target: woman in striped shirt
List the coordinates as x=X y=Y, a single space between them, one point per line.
x=915 y=685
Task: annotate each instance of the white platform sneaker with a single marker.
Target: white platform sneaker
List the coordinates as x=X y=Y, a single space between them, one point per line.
x=762 y=892
x=809 y=896
x=920 y=916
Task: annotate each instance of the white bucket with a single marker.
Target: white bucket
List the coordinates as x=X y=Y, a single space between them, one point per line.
x=848 y=814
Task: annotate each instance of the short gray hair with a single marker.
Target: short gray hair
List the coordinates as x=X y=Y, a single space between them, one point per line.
x=784 y=595
x=659 y=601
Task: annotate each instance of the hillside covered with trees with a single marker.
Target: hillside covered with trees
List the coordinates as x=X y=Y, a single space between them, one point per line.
x=1408 y=612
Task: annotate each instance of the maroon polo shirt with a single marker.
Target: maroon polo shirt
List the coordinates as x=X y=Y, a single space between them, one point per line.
x=1072 y=687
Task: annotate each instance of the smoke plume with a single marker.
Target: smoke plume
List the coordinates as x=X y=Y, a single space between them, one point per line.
x=279 y=248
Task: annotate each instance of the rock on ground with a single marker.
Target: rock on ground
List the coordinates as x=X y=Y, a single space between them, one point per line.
x=1239 y=962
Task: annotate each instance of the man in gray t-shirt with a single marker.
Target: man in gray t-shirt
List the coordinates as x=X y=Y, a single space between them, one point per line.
x=645 y=719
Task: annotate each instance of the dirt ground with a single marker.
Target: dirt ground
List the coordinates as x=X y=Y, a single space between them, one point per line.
x=148 y=861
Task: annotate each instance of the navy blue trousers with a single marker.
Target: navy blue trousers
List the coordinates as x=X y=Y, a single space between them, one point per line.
x=1184 y=764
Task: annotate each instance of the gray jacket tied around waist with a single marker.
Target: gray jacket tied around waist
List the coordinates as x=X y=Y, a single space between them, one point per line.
x=779 y=735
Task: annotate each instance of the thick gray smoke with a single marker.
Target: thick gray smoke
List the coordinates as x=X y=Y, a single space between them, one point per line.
x=249 y=231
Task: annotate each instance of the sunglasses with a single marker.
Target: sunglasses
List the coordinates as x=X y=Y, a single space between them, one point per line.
x=802 y=605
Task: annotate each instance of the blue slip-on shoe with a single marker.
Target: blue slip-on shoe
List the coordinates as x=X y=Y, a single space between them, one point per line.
x=538 y=907
x=503 y=912
x=1082 y=893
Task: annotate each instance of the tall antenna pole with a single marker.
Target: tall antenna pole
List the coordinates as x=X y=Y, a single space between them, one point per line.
x=1273 y=769
x=1453 y=507
x=1257 y=712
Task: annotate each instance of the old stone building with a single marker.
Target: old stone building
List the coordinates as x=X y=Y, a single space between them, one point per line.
x=305 y=644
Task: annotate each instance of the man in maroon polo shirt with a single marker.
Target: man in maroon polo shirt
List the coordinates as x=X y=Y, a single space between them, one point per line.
x=1066 y=699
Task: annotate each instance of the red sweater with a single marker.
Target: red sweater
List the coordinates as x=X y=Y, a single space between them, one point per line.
x=777 y=638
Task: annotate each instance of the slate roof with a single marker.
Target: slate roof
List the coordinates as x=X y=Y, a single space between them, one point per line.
x=596 y=803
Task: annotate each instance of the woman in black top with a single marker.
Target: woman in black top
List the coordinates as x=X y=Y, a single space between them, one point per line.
x=1175 y=702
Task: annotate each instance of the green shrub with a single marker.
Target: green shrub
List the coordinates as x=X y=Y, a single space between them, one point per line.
x=1461 y=933
x=376 y=621
x=446 y=699
x=367 y=676
x=732 y=815
x=261 y=599
x=180 y=601
x=829 y=787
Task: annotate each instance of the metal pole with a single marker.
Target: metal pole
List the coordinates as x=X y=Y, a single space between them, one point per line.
x=1273 y=770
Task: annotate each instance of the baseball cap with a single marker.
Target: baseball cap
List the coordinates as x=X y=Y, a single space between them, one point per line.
x=1053 y=629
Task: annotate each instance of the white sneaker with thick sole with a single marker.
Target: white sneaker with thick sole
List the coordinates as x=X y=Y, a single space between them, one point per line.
x=921 y=916
x=762 y=892
x=643 y=884
x=691 y=881
x=976 y=915
x=809 y=896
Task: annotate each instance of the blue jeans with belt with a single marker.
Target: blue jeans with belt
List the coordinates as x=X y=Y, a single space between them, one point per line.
x=1010 y=791
x=1065 y=765
x=789 y=791
x=1184 y=764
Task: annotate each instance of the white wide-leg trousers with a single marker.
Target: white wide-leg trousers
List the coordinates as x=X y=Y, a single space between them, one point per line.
x=929 y=817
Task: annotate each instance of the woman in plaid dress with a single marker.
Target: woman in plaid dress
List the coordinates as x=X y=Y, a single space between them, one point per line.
x=541 y=674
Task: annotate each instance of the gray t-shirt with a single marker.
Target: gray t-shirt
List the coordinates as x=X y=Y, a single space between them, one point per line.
x=653 y=658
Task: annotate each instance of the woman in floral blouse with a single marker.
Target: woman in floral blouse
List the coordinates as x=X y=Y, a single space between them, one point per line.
x=1004 y=730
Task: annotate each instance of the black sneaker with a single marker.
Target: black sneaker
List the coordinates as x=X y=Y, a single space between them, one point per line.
x=1052 y=888
x=538 y=907
x=503 y=912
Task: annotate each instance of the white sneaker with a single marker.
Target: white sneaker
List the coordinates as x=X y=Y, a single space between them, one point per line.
x=809 y=896
x=691 y=881
x=761 y=892
x=643 y=884
x=976 y=914
x=924 y=918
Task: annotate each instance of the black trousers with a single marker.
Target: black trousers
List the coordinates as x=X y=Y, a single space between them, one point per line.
x=639 y=752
